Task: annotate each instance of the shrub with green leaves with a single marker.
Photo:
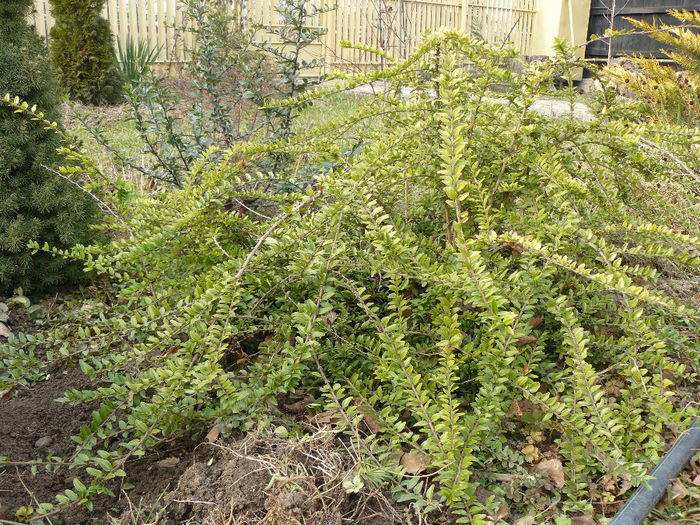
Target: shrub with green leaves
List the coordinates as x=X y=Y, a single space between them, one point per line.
x=672 y=93
x=232 y=76
x=495 y=288
x=35 y=204
x=82 y=47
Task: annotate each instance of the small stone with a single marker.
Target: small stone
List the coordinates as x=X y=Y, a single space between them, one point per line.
x=168 y=462
x=43 y=442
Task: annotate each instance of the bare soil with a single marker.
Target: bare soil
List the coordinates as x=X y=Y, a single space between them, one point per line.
x=243 y=480
x=258 y=479
x=250 y=480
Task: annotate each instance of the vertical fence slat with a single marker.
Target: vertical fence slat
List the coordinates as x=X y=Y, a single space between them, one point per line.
x=49 y=17
x=39 y=18
x=190 y=36
x=163 y=30
x=353 y=23
x=113 y=18
x=160 y=17
x=184 y=35
x=141 y=19
x=169 y=31
x=123 y=26
x=152 y=35
x=133 y=31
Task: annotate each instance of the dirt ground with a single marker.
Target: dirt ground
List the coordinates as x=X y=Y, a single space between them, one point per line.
x=240 y=480
x=244 y=480
x=257 y=479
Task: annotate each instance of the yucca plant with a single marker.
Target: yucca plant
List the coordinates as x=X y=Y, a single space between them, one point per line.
x=136 y=58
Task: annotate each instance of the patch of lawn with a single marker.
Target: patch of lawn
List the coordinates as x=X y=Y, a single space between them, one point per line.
x=121 y=132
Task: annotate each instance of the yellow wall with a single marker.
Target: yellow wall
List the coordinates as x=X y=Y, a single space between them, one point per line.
x=554 y=20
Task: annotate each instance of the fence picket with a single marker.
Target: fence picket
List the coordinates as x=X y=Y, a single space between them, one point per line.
x=39 y=18
x=152 y=36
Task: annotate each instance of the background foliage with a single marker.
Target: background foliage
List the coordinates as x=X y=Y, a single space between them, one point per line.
x=231 y=77
x=673 y=94
x=35 y=204
x=82 y=48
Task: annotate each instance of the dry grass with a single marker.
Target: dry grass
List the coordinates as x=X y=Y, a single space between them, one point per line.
x=264 y=479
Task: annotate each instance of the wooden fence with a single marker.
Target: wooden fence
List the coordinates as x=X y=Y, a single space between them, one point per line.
x=393 y=25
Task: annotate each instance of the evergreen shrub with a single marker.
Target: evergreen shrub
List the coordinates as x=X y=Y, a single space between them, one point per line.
x=35 y=204
x=673 y=93
x=488 y=290
x=82 y=47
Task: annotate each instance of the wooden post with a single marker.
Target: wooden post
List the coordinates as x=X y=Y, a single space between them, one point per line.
x=325 y=40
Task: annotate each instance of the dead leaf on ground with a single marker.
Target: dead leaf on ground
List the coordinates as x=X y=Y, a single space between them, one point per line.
x=678 y=490
x=500 y=476
x=414 y=463
x=520 y=407
x=625 y=483
x=525 y=520
x=327 y=417
x=582 y=520
x=534 y=322
x=613 y=390
x=213 y=435
x=329 y=318
x=297 y=404
x=168 y=462
x=482 y=495
x=554 y=470
x=352 y=483
x=696 y=481
x=7 y=394
x=515 y=246
x=526 y=340
x=5 y=331
x=503 y=512
x=372 y=423
x=514 y=410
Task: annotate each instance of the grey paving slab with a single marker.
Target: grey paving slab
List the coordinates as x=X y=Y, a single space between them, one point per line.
x=546 y=107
